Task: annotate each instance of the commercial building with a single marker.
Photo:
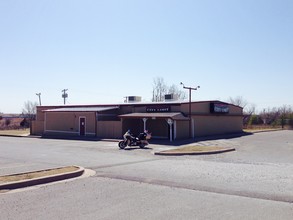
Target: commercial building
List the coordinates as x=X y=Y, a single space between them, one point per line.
x=166 y=120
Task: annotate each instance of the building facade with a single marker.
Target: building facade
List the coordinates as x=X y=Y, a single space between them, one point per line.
x=166 y=120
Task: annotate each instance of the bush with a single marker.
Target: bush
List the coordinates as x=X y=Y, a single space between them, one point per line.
x=7 y=122
x=255 y=120
x=24 y=123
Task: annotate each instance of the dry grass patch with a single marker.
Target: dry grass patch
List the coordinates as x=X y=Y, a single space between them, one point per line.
x=17 y=132
x=195 y=148
x=252 y=130
x=36 y=174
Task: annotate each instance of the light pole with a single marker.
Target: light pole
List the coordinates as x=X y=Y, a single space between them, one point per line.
x=39 y=94
x=64 y=95
x=189 y=88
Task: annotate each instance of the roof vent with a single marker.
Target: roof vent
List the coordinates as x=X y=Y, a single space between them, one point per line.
x=133 y=99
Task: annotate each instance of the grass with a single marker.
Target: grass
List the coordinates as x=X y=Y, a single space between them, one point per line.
x=195 y=148
x=16 y=132
x=36 y=174
x=261 y=129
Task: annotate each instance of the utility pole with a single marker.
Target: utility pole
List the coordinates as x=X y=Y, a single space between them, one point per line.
x=39 y=94
x=64 y=95
x=189 y=88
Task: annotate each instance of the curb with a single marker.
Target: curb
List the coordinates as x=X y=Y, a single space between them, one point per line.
x=41 y=180
x=166 y=153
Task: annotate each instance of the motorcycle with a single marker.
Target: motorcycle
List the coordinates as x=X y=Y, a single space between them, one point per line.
x=141 y=140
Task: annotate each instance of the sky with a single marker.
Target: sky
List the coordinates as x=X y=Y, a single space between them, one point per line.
x=104 y=50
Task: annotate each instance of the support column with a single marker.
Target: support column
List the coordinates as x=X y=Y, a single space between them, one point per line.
x=170 y=122
x=144 y=123
x=175 y=130
x=193 y=132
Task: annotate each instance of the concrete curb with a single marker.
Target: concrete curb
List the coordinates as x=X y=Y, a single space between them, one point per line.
x=166 y=153
x=42 y=180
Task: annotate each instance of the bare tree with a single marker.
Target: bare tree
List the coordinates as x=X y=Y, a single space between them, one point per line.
x=29 y=110
x=285 y=111
x=270 y=116
x=249 y=109
x=248 y=113
x=238 y=101
x=160 y=89
x=181 y=95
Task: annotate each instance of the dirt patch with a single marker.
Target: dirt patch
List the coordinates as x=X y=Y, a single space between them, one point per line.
x=36 y=174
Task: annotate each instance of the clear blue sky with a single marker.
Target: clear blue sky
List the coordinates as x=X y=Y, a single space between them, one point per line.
x=103 y=50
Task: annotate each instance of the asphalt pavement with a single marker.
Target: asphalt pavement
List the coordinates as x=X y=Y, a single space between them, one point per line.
x=253 y=182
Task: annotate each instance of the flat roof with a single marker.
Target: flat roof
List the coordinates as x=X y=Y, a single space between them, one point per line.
x=82 y=109
x=136 y=104
x=172 y=115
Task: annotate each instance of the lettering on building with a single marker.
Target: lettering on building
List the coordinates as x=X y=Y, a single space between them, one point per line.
x=219 y=108
x=158 y=109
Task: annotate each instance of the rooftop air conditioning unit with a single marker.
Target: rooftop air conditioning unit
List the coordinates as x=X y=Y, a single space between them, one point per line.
x=134 y=99
x=171 y=97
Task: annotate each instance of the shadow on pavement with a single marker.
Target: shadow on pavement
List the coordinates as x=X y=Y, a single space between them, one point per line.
x=137 y=148
x=152 y=141
x=197 y=139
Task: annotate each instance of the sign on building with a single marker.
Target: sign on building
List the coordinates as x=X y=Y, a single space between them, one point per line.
x=158 y=108
x=219 y=108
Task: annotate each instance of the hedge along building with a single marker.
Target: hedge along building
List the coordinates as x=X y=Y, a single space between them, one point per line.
x=166 y=120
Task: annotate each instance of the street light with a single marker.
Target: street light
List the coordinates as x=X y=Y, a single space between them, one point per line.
x=39 y=94
x=189 y=88
x=64 y=95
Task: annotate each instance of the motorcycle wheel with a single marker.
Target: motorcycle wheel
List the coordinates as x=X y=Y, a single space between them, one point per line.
x=121 y=144
x=142 y=145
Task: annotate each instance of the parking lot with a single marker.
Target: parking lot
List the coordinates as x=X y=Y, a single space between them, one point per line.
x=253 y=182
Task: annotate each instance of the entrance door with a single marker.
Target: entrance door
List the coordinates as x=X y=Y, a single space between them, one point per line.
x=82 y=126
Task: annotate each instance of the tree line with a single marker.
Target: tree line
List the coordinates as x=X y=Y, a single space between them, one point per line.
x=273 y=117
x=277 y=116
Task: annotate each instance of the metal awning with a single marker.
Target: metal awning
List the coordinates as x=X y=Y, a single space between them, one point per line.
x=172 y=115
x=82 y=109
